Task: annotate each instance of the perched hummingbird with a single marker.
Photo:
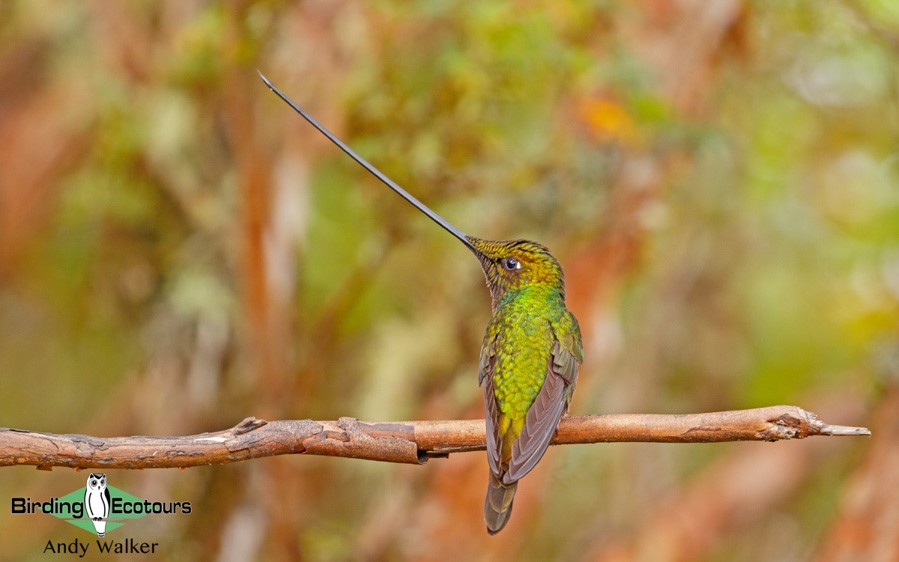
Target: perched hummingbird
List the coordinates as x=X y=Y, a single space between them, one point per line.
x=531 y=351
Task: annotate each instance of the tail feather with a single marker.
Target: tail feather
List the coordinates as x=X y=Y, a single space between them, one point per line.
x=498 y=504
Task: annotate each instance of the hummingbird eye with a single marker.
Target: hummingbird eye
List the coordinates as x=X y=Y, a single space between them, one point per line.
x=511 y=264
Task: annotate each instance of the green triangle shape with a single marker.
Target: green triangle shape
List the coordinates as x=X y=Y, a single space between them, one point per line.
x=88 y=525
x=117 y=498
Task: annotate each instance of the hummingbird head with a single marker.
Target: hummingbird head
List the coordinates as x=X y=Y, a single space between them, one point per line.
x=511 y=265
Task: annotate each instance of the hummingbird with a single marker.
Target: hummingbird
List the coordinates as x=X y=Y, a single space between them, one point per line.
x=531 y=351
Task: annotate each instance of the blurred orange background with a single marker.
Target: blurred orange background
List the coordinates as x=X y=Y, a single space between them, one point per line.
x=179 y=250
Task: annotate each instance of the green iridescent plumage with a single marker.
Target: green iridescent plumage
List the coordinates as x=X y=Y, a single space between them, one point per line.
x=531 y=352
x=528 y=367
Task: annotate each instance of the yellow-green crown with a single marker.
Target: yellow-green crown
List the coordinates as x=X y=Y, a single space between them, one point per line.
x=511 y=265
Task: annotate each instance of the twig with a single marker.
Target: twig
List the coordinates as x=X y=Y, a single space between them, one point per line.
x=403 y=442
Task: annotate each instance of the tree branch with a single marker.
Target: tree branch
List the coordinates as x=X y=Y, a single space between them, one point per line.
x=404 y=442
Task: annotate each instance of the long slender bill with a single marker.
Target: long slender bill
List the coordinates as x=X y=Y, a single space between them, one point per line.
x=374 y=171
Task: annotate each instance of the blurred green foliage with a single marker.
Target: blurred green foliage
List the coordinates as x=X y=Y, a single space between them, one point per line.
x=178 y=250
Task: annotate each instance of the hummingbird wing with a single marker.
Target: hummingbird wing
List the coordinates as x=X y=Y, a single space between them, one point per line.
x=544 y=414
x=485 y=373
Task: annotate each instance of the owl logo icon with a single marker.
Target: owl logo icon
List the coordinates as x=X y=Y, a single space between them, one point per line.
x=96 y=502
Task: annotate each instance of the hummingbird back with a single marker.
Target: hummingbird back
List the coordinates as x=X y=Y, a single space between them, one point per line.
x=528 y=369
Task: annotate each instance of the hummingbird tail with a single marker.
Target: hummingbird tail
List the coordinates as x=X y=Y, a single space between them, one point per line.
x=498 y=504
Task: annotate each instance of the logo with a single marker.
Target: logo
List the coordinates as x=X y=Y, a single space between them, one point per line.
x=99 y=509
